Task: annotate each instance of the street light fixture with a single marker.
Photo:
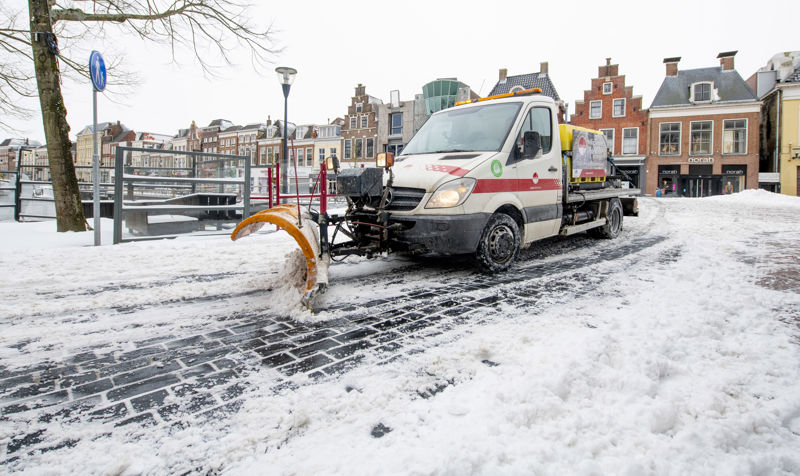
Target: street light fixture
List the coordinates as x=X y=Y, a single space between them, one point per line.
x=286 y=78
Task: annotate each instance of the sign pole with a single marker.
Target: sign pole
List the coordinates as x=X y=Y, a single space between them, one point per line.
x=95 y=171
x=97 y=70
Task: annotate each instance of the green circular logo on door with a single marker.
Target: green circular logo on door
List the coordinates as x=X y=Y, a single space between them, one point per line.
x=497 y=168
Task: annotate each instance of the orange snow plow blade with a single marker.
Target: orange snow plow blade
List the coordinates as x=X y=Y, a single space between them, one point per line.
x=306 y=236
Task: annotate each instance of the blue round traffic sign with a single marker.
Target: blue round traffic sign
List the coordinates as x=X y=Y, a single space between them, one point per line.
x=97 y=70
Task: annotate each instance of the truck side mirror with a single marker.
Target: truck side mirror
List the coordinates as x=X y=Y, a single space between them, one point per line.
x=531 y=144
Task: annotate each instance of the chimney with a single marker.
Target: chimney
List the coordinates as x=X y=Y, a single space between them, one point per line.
x=672 y=65
x=360 y=89
x=608 y=69
x=269 y=121
x=503 y=74
x=726 y=60
x=543 y=67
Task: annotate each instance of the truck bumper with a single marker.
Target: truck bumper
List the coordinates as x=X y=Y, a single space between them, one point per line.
x=441 y=234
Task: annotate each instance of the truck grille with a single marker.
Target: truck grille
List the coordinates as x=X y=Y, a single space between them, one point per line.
x=404 y=198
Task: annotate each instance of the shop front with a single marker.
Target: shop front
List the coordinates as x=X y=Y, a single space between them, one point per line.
x=668 y=176
x=701 y=181
x=632 y=169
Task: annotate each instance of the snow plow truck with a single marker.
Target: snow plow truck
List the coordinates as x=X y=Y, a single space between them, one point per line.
x=484 y=178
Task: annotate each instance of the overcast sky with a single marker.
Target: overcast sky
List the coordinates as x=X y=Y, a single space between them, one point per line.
x=403 y=45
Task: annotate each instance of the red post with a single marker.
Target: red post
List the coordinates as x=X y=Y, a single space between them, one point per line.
x=278 y=182
x=323 y=189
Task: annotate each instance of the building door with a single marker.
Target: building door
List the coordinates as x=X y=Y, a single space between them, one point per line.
x=703 y=187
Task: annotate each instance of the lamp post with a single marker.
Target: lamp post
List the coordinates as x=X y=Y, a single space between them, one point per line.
x=286 y=78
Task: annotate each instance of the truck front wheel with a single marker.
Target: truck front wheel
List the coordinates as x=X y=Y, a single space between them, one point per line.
x=613 y=225
x=499 y=244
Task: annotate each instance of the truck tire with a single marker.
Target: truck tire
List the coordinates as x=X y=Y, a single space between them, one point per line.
x=613 y=226
x=499 y=244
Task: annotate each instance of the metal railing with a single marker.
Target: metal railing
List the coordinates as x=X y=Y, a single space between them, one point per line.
x=8 y=194
x=210 y=191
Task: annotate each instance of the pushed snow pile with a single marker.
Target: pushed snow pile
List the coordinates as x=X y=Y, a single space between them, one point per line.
x=758 y=198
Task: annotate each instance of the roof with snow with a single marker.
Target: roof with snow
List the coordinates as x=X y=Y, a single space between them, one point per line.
x=526 y=81
x=19 y=143
x=729 y=87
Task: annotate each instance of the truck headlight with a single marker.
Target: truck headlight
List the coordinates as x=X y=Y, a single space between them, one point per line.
x=451 y=194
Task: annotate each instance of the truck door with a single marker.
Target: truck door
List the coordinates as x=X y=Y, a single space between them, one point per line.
x=539 y=178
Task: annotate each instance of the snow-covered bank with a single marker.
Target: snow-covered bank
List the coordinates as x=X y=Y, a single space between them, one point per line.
x=684 y=360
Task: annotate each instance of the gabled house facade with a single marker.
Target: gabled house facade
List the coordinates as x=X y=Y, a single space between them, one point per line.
x=360 y=130
x=610 y=107
x=703 y=132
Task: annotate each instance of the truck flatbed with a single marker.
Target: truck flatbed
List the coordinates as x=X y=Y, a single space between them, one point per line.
x=600 y=194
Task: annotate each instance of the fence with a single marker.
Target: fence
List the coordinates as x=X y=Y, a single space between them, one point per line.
x=8 y=194
x=162 y=202
x=152 y=193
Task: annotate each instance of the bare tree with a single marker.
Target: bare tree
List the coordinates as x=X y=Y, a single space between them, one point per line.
x=209 y=29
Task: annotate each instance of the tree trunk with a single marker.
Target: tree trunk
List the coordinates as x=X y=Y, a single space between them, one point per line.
x=69 y=210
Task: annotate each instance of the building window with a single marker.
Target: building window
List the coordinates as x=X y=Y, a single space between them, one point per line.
x=606 y=88
x=321 y=156
x=359 y=107
x=609 y=133
x=630 y=140
x=396 y=121
x=700 y=137
x=348 y=144
x=595 y=109
x=370 y=148
x=734 y=136
x=669 y=138
x=701 y=92
x=619 y=108
x=364 y=121
x=353 y=122
x=309 y=157
x=357 y=148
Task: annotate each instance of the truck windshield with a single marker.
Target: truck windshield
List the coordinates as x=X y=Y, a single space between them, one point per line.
x=479 y=128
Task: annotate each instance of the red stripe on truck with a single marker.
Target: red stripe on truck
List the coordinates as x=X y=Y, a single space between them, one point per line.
x=516 y=185
x=448 y=169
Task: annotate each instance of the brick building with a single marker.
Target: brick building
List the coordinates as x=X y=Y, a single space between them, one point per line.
x=703 y=132
x=360 y=129
x=228 y=140
x=611 y=107
x=210 y=135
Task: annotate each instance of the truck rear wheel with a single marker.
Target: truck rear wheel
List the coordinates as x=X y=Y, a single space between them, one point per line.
x=613 y=226
x=499 y=244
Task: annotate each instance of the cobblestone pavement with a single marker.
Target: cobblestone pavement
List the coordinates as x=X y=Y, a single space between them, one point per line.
x=206 y=374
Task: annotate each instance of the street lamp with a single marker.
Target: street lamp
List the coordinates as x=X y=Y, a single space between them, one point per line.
x=286 y=78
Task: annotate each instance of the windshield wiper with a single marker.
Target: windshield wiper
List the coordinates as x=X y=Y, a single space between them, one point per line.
x=448 y=151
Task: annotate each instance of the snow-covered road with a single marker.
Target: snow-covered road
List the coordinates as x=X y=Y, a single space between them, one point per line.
x=674 y=349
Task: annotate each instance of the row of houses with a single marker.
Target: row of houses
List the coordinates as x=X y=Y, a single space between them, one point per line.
x=708 y=131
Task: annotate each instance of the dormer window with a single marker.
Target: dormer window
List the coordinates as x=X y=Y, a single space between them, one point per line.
x=516 y=88
x=701 y=92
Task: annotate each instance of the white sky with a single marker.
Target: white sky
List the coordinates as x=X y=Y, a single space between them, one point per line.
x=336 y=45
